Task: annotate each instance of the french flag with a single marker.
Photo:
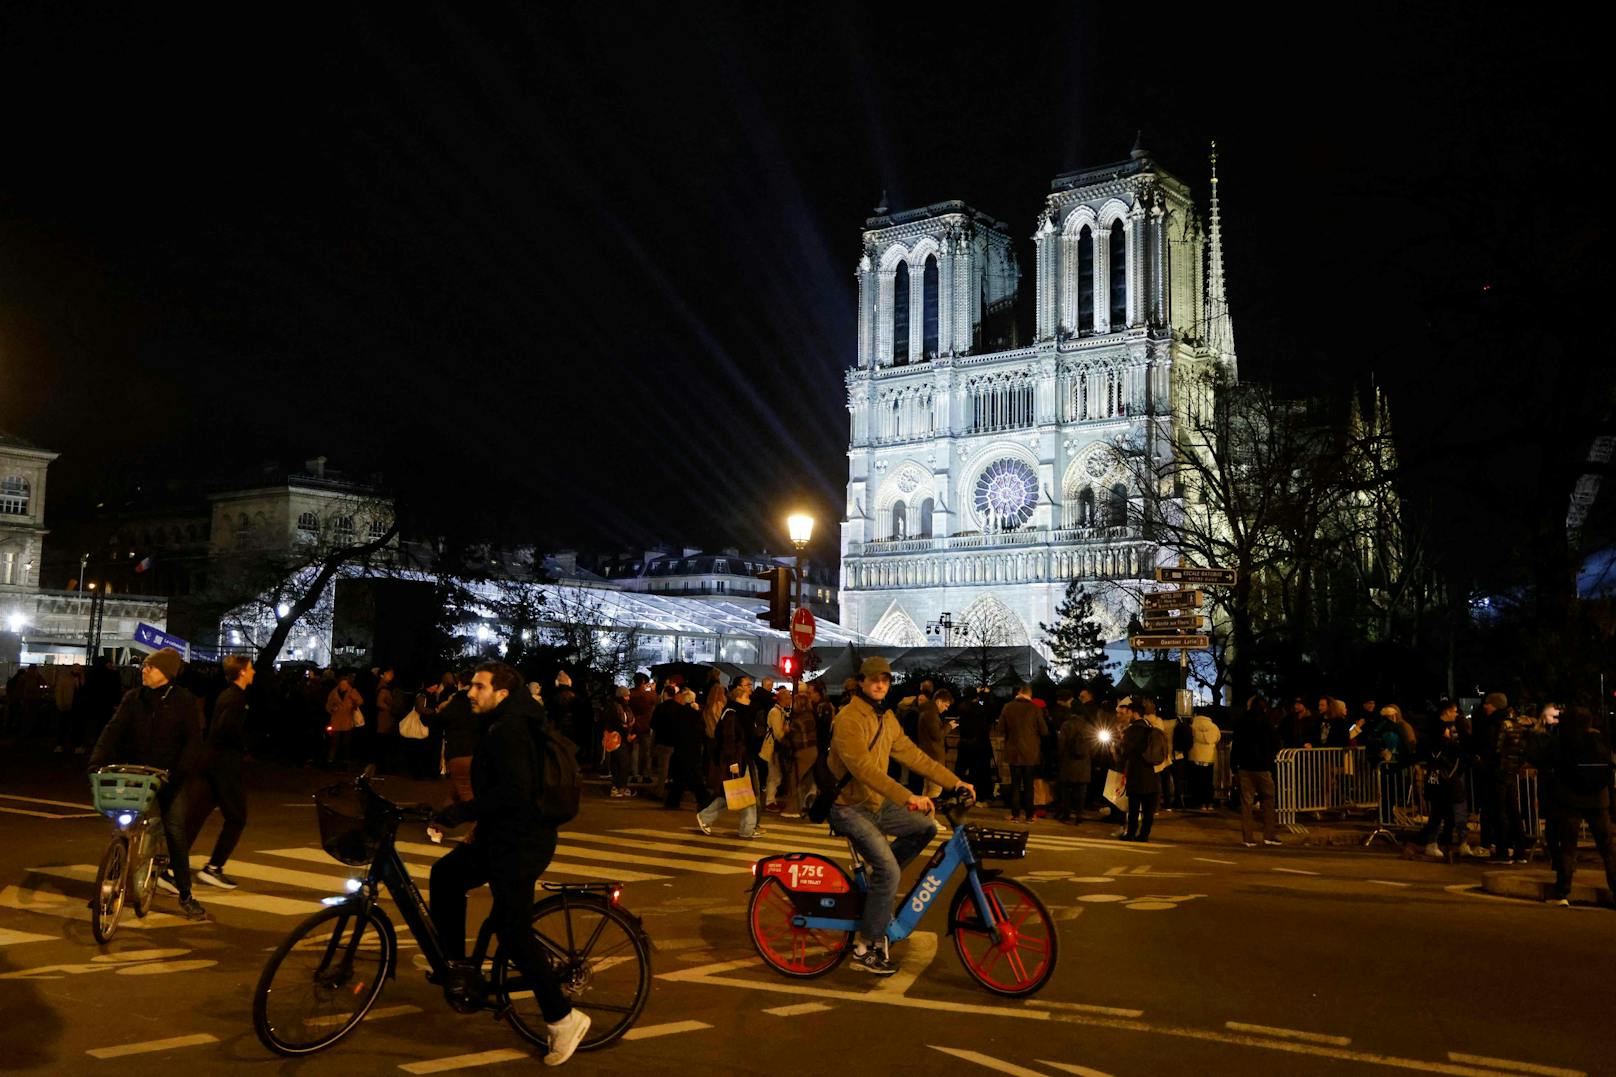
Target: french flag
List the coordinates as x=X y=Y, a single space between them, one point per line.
x=144 y=563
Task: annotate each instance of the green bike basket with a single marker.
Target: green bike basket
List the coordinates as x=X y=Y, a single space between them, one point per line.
x=120 y=789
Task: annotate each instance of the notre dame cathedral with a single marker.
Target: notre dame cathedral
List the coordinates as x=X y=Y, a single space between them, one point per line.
x=981 y=476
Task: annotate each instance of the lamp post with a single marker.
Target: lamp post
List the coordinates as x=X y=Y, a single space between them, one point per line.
x=943 y=626
x=801 y=528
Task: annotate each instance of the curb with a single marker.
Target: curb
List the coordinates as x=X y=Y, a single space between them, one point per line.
x=1539 y=886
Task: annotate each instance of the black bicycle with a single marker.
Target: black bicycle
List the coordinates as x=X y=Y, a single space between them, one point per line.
x=328 y=973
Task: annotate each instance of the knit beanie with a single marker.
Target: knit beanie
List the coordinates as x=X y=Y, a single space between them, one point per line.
x=166 y=661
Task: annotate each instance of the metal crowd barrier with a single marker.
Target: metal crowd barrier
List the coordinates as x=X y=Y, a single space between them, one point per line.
x=1222 y=773
x=1324 y=779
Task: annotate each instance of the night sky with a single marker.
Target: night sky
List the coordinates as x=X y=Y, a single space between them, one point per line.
x=584 y=274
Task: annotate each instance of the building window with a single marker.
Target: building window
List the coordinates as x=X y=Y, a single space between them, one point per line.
x=1118 y=283
x=14 y=491
x=927 y=508
x=1116 y=509
x=243 y=525
x=377 y=529
x=900 y=520
x=900 y=315
x=345 y=527
x=928 y=309
x=1084 y=509
x=720 y=564
x=8 y=567
x=308 y=523
x=1085 y=281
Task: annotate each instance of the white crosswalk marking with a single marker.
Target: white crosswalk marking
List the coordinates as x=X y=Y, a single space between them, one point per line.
x=17 y=938
x=69 y=907
x=556 y=867
x=256 y=902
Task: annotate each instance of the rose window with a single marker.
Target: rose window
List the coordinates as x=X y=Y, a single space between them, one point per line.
x=1006 y=494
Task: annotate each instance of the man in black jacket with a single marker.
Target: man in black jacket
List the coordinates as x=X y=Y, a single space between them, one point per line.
x=1256 y=744
x=1138 y=770
x=512 y=849
x=159 y=725
x=219 y=780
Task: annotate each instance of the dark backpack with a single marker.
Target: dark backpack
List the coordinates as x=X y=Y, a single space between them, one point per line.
x=1155 y=750
x=826 y=785
x=563 y=788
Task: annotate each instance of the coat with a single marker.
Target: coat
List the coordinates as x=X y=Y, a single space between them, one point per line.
x=1204 y=752
x=340 y=706
x=227 y=734
x=154 y=727
x=1139 y=774
x=854 y=729
x=1074 y=742
x=506 y=780
x=1024 y=730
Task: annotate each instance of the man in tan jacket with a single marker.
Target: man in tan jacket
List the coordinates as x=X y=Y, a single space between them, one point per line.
x=871 y=807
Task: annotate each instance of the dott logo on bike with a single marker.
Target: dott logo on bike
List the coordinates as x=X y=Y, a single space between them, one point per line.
x=807 y=874
x=928 y=890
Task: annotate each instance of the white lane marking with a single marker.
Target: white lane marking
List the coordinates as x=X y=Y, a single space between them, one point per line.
x=666 y=847
x=798 y=1009
x=769 y=844
x=1072 y=1067
x=256 y=902
x=1092 y=879
x=53 y=903
x=701 y=976
x=1515 y=1067
x=653 y=861
x=1386 y=882
x=1084 y=1007
x=336 y=1020
x=53 y=803
x=711 y=970
x=1107 y=844
x=1288 y=1033
x=162 y=968
x=423 y=871
x=17 y=938
x=461 y=1062
x=918 y=952
x=152 y=1045
x=1209 y=860
x=48 y=814
x=672 y=1028
x=1293 y=871
x=998 y=1065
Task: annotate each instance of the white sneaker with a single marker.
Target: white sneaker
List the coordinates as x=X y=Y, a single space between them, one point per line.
x=1467 y=851
x=565 y=1036
x=1433 y=850
x=705 y=829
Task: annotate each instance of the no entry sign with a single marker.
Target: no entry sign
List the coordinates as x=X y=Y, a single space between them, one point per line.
x=802 y=628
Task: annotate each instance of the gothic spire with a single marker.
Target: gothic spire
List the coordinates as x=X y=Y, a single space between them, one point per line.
x=1219 y=325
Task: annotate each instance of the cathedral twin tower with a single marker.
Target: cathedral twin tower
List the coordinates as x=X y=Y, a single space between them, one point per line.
x=983 y=473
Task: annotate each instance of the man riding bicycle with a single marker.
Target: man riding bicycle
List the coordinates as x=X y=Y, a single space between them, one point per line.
x=159 y=725
x=513 y=846
x=865 y=735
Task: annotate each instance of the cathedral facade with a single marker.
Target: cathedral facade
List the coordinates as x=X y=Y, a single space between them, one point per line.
x=982 y=471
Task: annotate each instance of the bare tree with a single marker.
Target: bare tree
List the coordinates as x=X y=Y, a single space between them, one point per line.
x=575 y=620
x=268 y=590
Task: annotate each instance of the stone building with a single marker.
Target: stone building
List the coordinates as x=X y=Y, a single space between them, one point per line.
x=982 y=474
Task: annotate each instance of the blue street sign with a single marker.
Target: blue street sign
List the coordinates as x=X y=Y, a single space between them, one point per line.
x=155 y=639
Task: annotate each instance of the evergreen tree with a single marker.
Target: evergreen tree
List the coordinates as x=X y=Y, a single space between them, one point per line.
x=1076 y=640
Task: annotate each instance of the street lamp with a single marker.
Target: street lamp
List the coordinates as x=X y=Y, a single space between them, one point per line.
x=943 y=626
x=801 y=528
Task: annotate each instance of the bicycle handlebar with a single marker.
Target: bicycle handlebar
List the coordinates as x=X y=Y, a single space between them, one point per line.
x=419 y=812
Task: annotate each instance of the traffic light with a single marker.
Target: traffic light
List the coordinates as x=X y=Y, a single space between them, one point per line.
x=778 y=615
x=788 y=665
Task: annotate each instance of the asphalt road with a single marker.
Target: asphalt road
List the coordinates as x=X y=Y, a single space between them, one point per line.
x=1174 y=958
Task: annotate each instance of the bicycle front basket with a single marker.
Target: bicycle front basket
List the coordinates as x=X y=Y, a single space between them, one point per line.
x=992 y=844
x=117 y=789
x=351 y=828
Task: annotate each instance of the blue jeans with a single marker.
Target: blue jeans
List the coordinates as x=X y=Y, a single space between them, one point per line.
x=911 y=833
x=709 y=815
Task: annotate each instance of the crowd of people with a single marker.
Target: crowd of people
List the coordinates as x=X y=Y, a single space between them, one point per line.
x=1060 y=753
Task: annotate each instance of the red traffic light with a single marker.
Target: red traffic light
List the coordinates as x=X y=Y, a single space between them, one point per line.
x=788 y=665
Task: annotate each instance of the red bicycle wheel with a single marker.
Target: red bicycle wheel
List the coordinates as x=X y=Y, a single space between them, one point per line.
x=1023 y=959
x=795 y=951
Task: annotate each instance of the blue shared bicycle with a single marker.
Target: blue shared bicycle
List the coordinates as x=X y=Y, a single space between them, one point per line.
x=805 y=908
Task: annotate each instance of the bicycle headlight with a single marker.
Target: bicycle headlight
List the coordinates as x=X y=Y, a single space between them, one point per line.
x=353 y=885
x=125 y=819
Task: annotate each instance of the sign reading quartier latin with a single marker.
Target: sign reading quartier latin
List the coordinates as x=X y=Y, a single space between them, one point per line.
x=1186 y=621
x=1192 y=574
x=1170 y=641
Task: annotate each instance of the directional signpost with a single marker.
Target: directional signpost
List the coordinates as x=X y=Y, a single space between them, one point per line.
x=1171 y=600
x=1171 y=641
x=1192 y=574
x=1172 y=622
